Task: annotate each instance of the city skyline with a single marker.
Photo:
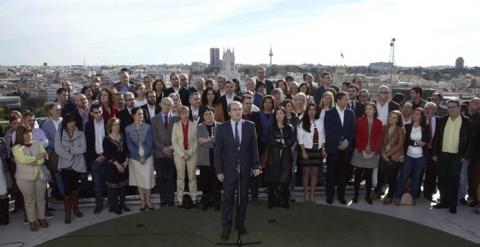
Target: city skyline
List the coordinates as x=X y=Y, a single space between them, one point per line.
x=156 y=32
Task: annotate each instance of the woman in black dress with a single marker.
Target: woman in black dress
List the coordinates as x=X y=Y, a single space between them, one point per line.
x=279 y=166
x=116 y=172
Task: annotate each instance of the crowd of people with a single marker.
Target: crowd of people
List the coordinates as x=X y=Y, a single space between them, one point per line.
x=161 y=135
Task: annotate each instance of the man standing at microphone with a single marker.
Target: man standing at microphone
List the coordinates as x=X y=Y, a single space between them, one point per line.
x=235 y=152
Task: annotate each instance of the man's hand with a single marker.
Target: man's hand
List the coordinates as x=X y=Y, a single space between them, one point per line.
x=186 y=157
x=435 y=158
x=343 y=145
x=220 y=177
x=256 y=172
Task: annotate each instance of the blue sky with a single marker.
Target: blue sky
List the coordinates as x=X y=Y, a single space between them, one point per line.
x=59 y=32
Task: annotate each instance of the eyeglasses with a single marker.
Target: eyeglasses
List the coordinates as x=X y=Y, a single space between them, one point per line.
x=96 y=112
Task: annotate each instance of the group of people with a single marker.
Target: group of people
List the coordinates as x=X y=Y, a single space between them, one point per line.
x=153 y=134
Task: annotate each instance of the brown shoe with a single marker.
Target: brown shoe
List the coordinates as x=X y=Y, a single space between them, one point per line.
x=33 y=226
x=375 y=196
x=76 y=210
x=387 y=201
x=43 y=223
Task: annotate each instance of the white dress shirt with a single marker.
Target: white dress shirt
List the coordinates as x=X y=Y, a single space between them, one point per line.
x=151 y=111
x=239 y=129
x=341 y=113
x=99 y=135
x=383 y=112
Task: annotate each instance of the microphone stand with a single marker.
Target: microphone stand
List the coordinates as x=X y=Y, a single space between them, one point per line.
x=239 y=242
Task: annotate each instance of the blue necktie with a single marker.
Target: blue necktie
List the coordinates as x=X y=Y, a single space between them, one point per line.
x=237 y=138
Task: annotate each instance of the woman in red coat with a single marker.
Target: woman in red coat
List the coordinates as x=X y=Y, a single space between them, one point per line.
x=368 y=143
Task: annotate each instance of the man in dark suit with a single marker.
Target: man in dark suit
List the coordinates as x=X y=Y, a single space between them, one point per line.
x=95 y=131
x=450 y=149
x=150 y=109
x=196 y=109
x=339 y=133
x=185 y=90
x=437 y=98
x=261 y=73
x=353 y=104
x=236 y=157
x=81 y=112
x=326 y=83
x=125 y=115
x=175 y=88
x=162 y=125
x=228 y=98
x=431 y=171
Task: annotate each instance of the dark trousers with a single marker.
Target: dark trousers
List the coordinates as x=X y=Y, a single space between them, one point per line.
x=98 y=175
x=391 y=173
x=210 y=186
x=116 y=197
x=337 y=168
x=278 y=194
x=431 y=172
x=360 y=174
x=70 y=180
x=230 y=185
x=165 y=169
x=449 y=167
x=382 y=176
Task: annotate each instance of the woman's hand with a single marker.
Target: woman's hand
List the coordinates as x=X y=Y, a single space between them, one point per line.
x=304 y=155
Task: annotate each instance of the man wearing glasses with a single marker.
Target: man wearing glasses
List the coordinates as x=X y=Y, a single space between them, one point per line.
x=125 y=115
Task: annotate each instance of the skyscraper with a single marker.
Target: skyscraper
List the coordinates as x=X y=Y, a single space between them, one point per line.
x=271 y=55
x=215 y=58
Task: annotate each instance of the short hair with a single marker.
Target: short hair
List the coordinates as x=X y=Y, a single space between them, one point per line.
x=351 y=85
x=383 y=86
x=150 y=92
x=246 y=96
x=110 y=123
x=432 y=104
x=129 y=93
x=440 y=96
x=183 y=108
x=61 y=90
x=259 y=84
x=28 y=114
x=455 y=101
x=398 y=98
x=95 y=106
x=208 y=109
x=305 y=75
x=325 y=74
x=194 y=93
x=127 y=70
x=347 y=84
x=172 y=74
x=289 y=78
x=418 y=90
x=265 y=98
x=167 y=99
x=276 y=90
x=20 y=131
x=229 y=107
x=138 y=86
x=287 y=101
x=300 y=94
x=340 y=95
x=49 y=105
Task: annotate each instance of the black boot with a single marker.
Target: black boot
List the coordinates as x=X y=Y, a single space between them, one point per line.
x=355 y=198
x=271 y=196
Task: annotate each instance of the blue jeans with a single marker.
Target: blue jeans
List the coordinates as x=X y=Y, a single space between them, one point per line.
x=98 y=175
x=412 y=169
x=462 y=190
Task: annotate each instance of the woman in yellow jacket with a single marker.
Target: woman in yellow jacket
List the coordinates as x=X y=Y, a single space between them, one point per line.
x=29 y=156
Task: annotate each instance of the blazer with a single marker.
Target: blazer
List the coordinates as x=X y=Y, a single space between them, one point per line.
x=268 y=85
x=257 y=99
x=134 y=137
x=335 y=132
x=442 y=111
x=185 y=95
x=396 y=140
x=177 y=139
x=74 y=158
x=91 y=154
x=359 y=109
x=125 y=119
x=201 y=110
x=465 y=135
x=79 y=120
x=306 y=138
x=227 y=154
x=162 y=137
x=223 y=100
x=409 y=142
x=361 y=135
x=203 y=156
x=146 y=113
x=48 y=128
x=24 y=158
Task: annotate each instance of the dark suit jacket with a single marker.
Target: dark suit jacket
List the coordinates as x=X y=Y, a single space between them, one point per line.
x=146 y=113
x=223 y=100
x=201 y=110
x=185 y=95
x=359 y=109
x=168 y=91
x=78 y=120
x=335 y=132
x=91 y=154
x=227 y=155
x=125 y=119
x=269 y=86
x=463 y=141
